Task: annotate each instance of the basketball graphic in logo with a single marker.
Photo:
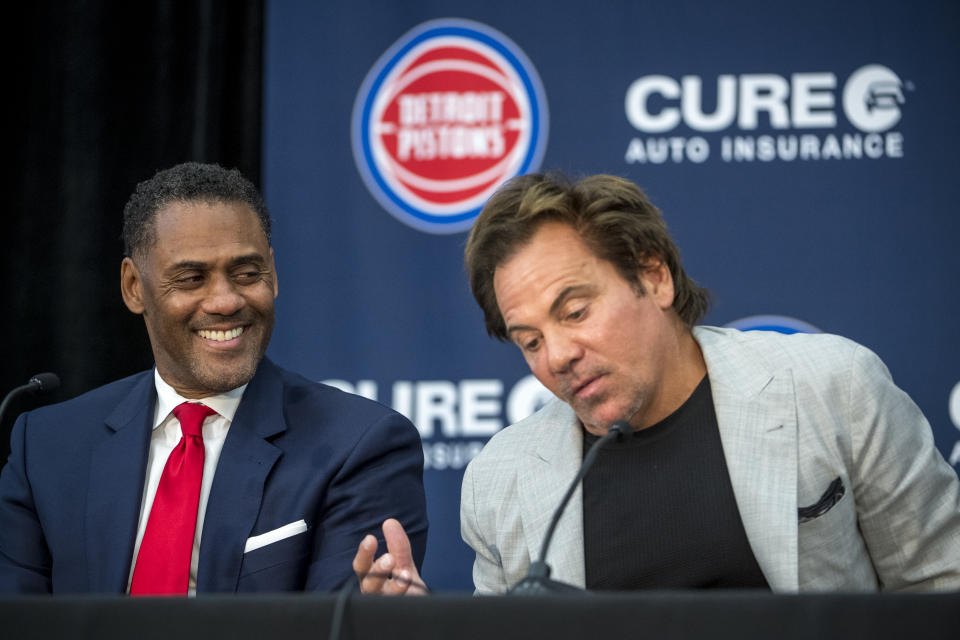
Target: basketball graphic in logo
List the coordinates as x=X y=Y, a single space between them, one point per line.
x=447 y=114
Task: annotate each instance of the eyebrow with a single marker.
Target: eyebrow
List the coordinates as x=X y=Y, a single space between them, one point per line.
x=572 y=291
x=564 y=295
x=250 y=258
x=518 y=327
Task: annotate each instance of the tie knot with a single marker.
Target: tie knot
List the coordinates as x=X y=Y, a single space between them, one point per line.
x=191 y=415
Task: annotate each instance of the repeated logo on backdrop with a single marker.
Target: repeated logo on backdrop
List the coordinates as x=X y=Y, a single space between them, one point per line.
x=454 y=417
x=452 y=110
x=764 y=117
x=780 y=324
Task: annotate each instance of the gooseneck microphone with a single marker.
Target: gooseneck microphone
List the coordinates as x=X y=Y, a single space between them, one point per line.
x=537 y=580
x=41 y=382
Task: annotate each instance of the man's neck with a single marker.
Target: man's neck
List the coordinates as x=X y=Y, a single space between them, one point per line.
x=680 y=380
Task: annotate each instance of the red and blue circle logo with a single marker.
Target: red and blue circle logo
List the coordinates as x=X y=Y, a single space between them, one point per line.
x=780 y=324
x=452 y=110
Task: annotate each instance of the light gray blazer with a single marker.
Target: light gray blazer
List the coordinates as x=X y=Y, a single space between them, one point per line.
x=795 y=413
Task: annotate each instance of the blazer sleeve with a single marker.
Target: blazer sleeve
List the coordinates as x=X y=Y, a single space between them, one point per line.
x=488 y=574
x=908 y=497
x=25 y=562
x=382 y=477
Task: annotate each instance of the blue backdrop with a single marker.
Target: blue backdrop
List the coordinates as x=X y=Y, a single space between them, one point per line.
x=804 y=157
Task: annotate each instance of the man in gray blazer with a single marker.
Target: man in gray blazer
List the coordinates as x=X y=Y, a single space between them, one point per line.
x=757 y=460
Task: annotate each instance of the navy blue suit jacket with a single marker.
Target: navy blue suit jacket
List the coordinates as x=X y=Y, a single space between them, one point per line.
x=70 y=493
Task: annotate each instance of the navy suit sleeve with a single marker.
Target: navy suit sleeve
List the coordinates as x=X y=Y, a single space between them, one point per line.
x=24 y=556
x=381 y=478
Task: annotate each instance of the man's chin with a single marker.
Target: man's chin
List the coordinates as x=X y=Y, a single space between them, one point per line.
x=224 y=379
x=598 y=419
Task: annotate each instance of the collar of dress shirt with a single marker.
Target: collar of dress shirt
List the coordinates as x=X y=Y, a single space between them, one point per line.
x=225 y=404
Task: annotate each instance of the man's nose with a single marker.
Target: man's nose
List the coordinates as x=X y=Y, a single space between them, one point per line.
x=563 y=351
x=223 y=297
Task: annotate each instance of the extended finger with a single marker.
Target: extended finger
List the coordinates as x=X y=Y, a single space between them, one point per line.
x=364 y=558
x=363 y=565
x=398 y=544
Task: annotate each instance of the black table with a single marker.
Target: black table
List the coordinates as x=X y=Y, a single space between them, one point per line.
x=741 y=615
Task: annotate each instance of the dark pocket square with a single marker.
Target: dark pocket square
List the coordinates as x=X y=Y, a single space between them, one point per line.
x=829 y=498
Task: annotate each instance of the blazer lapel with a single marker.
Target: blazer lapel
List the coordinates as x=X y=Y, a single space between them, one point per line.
x=757 y=418
x=115 y=491
x=550 y=468
x=237 y=489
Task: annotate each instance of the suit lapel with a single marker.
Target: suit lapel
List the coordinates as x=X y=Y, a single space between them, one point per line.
x=237 y=490
x=756 y=414
x=551 y=466
x=117 y=473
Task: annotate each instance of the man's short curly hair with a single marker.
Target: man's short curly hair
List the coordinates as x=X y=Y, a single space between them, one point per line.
x=186 y=182
x=613 y=217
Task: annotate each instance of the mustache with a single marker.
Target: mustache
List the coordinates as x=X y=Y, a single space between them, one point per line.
x=241 y=318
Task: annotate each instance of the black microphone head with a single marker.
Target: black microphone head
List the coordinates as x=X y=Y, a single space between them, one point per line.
x=45 y=381
x=622 y=428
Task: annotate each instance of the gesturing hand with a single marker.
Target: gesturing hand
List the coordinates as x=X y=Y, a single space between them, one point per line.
x=393 y=573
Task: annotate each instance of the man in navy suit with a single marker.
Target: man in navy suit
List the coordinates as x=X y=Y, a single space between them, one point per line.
x=291 y=473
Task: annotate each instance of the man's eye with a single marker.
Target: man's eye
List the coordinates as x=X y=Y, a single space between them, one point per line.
x=189 y=279
x=247 y=275
x=531 y=345
x=577 y=315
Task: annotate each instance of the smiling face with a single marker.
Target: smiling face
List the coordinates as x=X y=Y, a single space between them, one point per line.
x=608 y=351
x=206 y=289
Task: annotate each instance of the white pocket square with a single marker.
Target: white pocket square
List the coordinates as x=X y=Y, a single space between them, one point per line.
x=287 y=530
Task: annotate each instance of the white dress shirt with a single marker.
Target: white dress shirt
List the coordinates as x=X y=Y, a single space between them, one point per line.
x=166 y=435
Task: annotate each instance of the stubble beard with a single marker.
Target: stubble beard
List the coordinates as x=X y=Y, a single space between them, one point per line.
x=211 y=377
x=221 y=379
x=587 y=410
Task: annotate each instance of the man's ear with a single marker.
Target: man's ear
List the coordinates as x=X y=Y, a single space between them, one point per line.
x=131 y=286
x=657 y=282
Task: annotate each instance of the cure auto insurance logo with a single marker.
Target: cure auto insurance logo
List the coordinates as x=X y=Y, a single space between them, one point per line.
x=452 y=110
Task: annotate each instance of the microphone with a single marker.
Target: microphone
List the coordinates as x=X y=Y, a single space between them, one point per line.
x=41 y=382
x=537 y=581
x=44 y=382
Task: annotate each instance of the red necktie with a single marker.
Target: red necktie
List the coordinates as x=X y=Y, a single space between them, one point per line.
x=163 y=563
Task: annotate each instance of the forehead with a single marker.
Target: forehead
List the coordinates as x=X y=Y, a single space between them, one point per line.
x=185 y=227
x=555 y=258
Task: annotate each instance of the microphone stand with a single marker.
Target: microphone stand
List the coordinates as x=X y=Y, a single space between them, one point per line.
x=537 y=580
x=39 y=382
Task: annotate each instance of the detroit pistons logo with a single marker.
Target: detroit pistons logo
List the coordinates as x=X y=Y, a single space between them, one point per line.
x=447 y=114
x=780 y=324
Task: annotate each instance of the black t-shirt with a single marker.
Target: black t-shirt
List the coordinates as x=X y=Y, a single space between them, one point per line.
x=659 y=511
